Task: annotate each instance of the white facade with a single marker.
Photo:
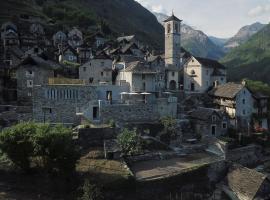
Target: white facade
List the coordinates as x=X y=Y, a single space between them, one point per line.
x=199 y=78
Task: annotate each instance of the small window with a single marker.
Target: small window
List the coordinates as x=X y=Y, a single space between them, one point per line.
x=84 y=69
x=143 y=76
x=224 y=125
x=168 y=28
x=244 y=112
x=70 y=58
x=214 y=118
x=244 y=101
x=29 y=83
x=173 y=73
x=222 y=79
x=90 y=64
x=101 y=73
x=192 y=72
x=29 y=94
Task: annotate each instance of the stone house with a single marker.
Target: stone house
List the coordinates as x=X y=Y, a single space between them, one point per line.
x=242 y=183
x=75 y=38
x=158 y=63
x=200 y=74
x=84 y=53
x=33 y=70
x=59 y=39
x=68 y=54
x=209 y=122
x=97 y=70
x=63 y=103
x=140 y=76
x=237 y=101
x=260 y=116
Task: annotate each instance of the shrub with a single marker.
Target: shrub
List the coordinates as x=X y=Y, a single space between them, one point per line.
x=129 y=142
x=90 y=191
x=51 y=147
x=16 y=143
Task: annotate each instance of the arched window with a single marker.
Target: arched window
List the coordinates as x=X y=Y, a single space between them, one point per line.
x=168 y=28
x=192 y=72
x=176 y=28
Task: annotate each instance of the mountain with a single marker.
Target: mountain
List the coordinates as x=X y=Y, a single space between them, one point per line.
x=116 y=16
x=218 y=41
x=196 y=41
x=251 y=59
x=243 y=35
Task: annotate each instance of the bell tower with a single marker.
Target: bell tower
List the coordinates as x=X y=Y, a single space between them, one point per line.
x=173 y=41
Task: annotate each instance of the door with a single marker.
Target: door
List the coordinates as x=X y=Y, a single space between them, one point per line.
x=192 y=87
x=95 y=112
x=214 y=130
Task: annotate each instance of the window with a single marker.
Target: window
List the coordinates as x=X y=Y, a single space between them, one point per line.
x=222 y=79
x=168 y=28
x=91 y=79
x=244 y=112
x=192 y=72
x=244 y=101
x=90 y=64
x=84 y=69
x=29 y=94
x=29 y=83
x=29 y=73
x=176 y=28
x=101 y=73
x=214 y=118
x=143 y=76
x=70 y=58
x=224 y=125
x=173 y=73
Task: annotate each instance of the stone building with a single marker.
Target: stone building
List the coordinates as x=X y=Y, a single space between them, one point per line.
x=209 y=122
x=140 y=76
x=97 y=70
x=75 y=38
x=200 y=74
x=237 y=101
x=172 y=52
x=260 y=116
x=67 y=54
x=59 y=39
x=62 y=103
x=33 y=70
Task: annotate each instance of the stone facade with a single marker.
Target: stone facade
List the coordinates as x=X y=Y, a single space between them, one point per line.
x=96 y=70
x=61 y=103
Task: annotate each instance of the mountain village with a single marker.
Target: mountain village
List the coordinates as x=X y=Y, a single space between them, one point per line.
x=100 y=87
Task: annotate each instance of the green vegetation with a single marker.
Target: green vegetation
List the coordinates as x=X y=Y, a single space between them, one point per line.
x=48 y=148
x=169 y=131
x=90 y=191
x=106 y=15
x=129 y=142
x=252 y=59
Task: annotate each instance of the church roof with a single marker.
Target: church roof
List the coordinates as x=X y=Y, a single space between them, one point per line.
x=172 y=18
x=210 y=63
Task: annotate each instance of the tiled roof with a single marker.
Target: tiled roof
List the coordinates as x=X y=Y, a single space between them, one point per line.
x=38 y=61
x=204 y=113
x=210 y=63
x=172 y=18
x=228 y=90
x=139 y=67
x=244 y=182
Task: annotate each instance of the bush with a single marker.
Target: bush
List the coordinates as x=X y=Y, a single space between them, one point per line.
x=16 y=143
x=51 y=147
x=129 y=142
x=90 y=191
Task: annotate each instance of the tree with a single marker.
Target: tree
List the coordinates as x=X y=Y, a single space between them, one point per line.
x=16 y=143
x=90 y=191
x=129 y=142
x=169 y=131
x=51 y=147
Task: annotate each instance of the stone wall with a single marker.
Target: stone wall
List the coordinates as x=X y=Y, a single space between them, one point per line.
x=129 y=113
x=94 y=137
x=61 y=103
x=246 y=156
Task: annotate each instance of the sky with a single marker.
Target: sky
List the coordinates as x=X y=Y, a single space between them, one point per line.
x=219 y=18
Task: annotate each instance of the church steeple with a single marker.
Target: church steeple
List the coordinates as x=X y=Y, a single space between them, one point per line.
x=172 y=40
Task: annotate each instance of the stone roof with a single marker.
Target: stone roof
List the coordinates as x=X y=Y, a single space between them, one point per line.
x=139 y=67
x=204 y=113
x=126 y=38
x=172 y=18
x=40 y=62
x=210 y=63
x=228 y=90
x=244 y=183
x=217 y=72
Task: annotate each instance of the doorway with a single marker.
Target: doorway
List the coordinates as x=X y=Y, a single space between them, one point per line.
x=213 y=129
x=95 y=113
